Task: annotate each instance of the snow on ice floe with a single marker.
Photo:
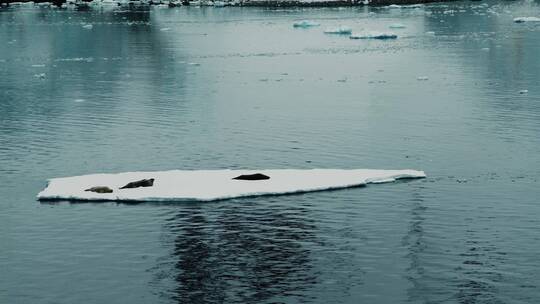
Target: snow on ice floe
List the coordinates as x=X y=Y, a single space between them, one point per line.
x=374 y=36
x=340 y=30
x=526 y=19
x=209 y=185
x=305 y=24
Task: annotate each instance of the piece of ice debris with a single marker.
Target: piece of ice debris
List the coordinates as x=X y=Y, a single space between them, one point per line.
x=523 y=91
x=165 y=29
x=38 y=65
x=382 y=36
x=430 y=33
x=526 y=19
x=40 y=76
x=394 y=6
x=78 y=100
x=88 y=26
x=340 y=30
x=422 y=78
x=208 y=185
x=305 y=23
x=485 y=49
x=396 y=26
x=194 y=63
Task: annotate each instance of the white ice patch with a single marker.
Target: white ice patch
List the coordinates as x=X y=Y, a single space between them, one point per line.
x=209 y=185
x=374 y=36
x=526 y=19
x=396 y=26
x=340 y=30
x=88 y=26
x=305 y=24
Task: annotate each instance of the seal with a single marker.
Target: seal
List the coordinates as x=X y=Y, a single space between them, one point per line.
x=140 y=183
x=100 y=189
x=256 y=176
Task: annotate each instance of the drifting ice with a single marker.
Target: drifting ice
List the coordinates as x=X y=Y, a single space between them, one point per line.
x=305 y=23
x=374 y=36
x=526 y=19
x=396 y=26
x=341 y=30
x=208 y=185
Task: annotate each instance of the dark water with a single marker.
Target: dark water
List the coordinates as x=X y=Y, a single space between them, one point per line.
x=127 y=95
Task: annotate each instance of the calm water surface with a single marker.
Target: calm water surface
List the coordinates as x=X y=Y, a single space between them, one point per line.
x=211 y=88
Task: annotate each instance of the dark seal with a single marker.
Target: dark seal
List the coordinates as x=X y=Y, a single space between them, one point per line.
x=256 y=176
x=140 y=183
x=100 y=189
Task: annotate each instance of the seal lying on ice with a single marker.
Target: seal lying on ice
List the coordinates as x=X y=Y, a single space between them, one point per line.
x=256 y=176
x=100 y=189
x=140 y=183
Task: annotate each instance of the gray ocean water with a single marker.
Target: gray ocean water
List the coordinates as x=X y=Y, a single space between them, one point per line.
x=152 y=88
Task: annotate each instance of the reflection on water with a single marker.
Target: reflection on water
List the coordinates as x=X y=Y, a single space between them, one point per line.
x=241 y=254
x=204 y=88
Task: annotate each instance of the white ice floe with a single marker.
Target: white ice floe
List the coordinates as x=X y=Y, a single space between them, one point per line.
x=88 y=26
x=208 y=185
x=396 y=26
x=165 y=29
x=526 y=19
x=305 y=23
x=340 y=30
x=422 y=78
x=374 y=36
x=523 y=91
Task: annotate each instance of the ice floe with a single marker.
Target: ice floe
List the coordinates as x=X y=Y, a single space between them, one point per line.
x=88 y=26
x=526 y=19
x=374 y=36
x=340 y=30
x=422 y=78
x=396 y=26
x=208 y=185
x=305 y=24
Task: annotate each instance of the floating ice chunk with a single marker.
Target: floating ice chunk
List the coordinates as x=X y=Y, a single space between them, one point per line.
x=382 y=36
x=340 y=30
x=208 y=185
x=396 y=26
x=523 y=91
x=526 y=19
x=88 y=26
x=485 y=49
x=422 y=78
x=430 y=33
x=394 y=6
x=165 y=29
x=194 y=63
x=305 y=23
x=40 y=75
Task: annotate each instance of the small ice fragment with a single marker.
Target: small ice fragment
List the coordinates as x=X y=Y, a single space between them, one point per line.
x=38 y=65
x=88 y=26
x=485 y=49
x=430 y=33
x=340 y=30
x=305 y=24
x=165 y=29
x=394 y=6
x=422 y=78
x=382 y=36
x=194 y=63
x=526 y=19
x=40 y=76
x=523 y=91
x=78 y=100
x=396 y=26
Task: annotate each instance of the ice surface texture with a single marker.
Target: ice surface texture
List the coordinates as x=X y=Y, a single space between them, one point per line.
x=209 y=185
